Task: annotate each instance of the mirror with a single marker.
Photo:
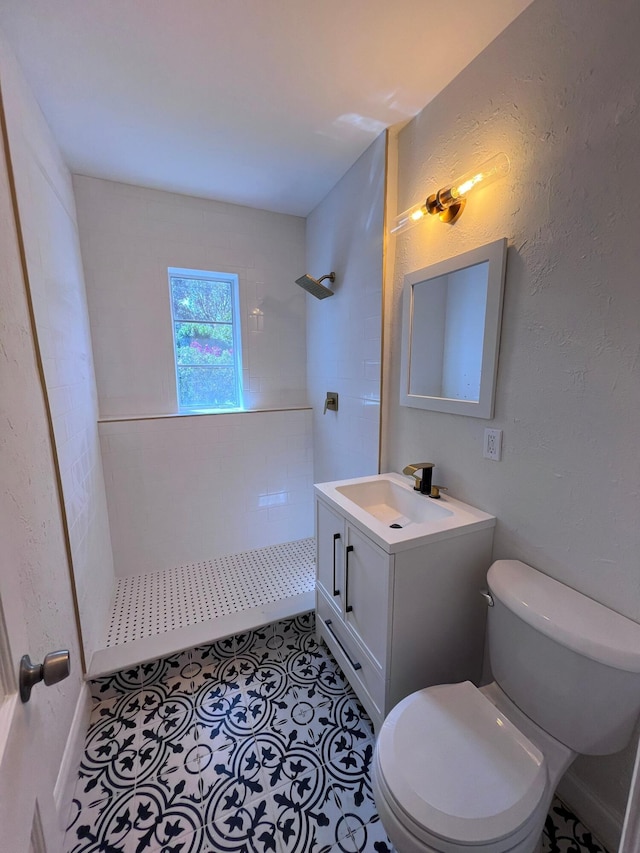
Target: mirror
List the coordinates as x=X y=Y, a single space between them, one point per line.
x=451 y=333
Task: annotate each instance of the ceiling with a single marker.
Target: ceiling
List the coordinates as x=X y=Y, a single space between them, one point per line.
x=264 y=103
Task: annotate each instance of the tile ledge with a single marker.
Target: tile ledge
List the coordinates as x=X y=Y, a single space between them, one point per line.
x=121 y=418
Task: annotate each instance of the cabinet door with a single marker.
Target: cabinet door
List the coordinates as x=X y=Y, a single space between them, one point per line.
x=330 y=553
x=366 y=592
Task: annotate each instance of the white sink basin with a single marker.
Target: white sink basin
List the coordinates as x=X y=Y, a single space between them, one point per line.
x=393 y=503
x=375 y=503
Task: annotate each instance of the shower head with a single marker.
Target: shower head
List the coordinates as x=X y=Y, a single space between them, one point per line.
x=313 y=286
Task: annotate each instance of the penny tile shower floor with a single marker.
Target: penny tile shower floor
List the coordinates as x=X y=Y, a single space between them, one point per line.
x=254 y=743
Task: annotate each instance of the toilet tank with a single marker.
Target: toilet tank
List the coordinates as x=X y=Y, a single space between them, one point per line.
x=569 y=663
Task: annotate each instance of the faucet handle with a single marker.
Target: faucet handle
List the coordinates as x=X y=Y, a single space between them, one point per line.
x=435 y=492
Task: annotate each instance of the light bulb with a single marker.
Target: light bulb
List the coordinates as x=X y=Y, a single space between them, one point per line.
x=455 y=194
x=495 y=168
x=409 y=218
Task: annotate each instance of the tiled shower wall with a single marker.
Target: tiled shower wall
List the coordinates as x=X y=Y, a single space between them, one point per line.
x=185 y=489
x=131 y=235
x=344 y=233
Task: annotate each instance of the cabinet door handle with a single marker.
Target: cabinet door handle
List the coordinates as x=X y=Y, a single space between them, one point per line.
x=336 y=536
x=353 y=663
x=348 y=607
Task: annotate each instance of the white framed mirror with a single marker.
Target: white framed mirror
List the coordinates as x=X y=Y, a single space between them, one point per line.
x=451 y=319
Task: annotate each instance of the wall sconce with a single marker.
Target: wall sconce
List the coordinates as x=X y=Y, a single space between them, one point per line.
x=448 y=203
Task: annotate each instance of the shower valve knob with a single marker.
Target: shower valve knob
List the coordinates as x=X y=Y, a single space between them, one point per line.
x=331 y=402
x=54 y=668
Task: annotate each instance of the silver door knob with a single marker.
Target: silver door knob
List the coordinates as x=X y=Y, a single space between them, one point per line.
x=53 y=669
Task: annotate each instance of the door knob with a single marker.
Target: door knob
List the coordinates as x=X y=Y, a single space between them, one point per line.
x=53 y=669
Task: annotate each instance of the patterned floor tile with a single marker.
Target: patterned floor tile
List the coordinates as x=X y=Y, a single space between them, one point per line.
x=100 y=825
x=222 y=716
x=109 y=762
x=314 y=668
x=366 y=838
x=282 y=761
x=261 y=641
x=307 y=814
x=564 y=833
x=220 y=650
x=352 y=783
x=254 y=744
x=116 y=685
x=249 y=828
x=164 y=808
x=167 y=738
x=231 y=780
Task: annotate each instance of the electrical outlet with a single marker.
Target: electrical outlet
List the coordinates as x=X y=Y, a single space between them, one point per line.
x=492 y=444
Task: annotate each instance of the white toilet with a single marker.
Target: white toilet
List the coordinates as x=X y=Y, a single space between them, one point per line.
x=461 y=769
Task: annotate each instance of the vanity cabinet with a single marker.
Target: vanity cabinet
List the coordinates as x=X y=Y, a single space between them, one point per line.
x=397 y=621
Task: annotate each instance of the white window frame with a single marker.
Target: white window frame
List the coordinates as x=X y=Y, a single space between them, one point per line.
x=209 y=275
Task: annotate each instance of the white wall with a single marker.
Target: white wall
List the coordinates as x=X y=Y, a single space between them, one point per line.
x=183 y=489
x=558 y=91
x=344 y=234
x=48 y=220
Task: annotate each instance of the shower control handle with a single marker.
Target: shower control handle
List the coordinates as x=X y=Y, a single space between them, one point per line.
x=331 y=402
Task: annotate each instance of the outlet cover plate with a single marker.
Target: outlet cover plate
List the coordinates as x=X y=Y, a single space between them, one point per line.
x=492 y=444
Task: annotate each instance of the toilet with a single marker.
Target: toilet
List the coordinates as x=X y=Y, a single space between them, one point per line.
x=462 y=769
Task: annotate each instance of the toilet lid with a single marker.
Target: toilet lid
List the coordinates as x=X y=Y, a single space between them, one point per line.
x=457 y=767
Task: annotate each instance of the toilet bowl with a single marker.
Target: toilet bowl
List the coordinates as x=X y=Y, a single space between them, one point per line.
x=493 y=781
x=462 y=769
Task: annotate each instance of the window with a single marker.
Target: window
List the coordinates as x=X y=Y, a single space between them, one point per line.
x=206 y=335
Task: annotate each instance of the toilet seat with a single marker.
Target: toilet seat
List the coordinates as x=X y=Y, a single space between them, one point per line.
x=454 y=768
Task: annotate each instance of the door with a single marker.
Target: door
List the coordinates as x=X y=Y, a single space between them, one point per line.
x=36 y=605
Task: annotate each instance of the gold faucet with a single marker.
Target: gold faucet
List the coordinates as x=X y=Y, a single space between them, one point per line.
x=423 y=483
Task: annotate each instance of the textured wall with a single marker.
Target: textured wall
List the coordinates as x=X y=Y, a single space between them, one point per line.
x=48 y=220
x=344 y=233
x=35 y=588
x=559 y=92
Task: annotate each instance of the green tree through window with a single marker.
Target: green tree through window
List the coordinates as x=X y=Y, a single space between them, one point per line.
x=206 y=334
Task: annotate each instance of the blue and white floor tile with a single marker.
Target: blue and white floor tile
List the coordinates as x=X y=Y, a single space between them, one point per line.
x=253 y=744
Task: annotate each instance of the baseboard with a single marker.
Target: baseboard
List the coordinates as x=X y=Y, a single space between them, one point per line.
x=71 y=757
x=604 y=822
